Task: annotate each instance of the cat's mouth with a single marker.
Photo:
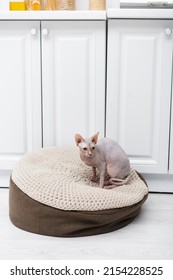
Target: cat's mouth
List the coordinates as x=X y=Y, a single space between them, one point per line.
x=89 y=155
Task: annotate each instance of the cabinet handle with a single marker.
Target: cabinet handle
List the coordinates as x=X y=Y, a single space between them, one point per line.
x=45 y=32
x=168 y=31
x=33 y=31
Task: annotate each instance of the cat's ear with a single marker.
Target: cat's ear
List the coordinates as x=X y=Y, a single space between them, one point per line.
x=94 y=138
x=78 y=139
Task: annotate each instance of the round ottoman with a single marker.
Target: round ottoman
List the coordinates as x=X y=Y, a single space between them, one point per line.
x=51 y=193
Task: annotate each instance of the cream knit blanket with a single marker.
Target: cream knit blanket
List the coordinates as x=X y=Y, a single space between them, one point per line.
x=57 y=177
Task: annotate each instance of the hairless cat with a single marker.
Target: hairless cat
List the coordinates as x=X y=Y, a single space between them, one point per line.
x=108 y=157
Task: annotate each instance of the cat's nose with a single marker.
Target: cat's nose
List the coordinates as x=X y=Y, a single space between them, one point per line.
x=90 y=154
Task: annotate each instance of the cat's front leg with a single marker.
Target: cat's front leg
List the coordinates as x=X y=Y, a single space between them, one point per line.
x=93 y=178
x=102 y=176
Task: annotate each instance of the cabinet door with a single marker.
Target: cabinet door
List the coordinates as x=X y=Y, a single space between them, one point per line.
x=20 y=93
x=73 y=61
x=139 y=90
x=171 y=139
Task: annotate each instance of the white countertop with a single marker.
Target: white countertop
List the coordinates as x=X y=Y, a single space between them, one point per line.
x=140 y=13
x=53 y=15
x=88 y=15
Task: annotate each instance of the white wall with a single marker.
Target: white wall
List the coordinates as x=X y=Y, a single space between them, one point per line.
x=4 y=5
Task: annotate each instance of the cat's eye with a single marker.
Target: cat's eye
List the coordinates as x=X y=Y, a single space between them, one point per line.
x=85 y=149
x=93 y=148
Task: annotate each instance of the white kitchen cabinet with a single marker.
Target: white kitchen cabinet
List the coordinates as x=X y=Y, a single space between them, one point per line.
x=73 y=76
x=139 y=91
x=20 y=93
x=63 y=71
x=52 y=85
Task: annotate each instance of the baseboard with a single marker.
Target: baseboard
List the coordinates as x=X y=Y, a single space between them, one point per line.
x=159 y=182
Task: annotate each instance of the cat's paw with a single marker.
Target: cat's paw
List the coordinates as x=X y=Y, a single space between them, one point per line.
x=93 y=179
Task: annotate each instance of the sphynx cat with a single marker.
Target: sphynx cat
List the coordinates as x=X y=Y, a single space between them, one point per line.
x=107 y=156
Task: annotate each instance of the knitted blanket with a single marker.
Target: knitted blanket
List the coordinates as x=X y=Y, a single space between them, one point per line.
x=57 y=177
